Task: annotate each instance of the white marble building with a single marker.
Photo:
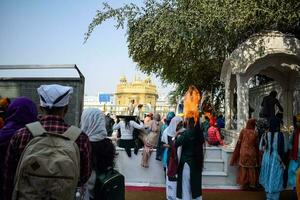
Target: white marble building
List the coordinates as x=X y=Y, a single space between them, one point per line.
x=273 y=54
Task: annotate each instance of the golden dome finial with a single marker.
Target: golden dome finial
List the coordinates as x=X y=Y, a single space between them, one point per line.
x=148 y=80
x=123 y=79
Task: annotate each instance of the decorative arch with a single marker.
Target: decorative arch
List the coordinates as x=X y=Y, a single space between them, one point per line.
x=274 y=54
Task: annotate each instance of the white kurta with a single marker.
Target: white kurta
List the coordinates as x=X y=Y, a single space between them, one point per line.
x=186 y=184
x=170 y=188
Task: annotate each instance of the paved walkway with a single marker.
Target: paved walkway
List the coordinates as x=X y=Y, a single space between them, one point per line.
x=208 y=195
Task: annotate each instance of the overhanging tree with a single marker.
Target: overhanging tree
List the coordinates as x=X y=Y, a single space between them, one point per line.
x=186 y=41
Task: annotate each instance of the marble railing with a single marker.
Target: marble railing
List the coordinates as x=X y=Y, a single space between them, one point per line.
x=230 y=136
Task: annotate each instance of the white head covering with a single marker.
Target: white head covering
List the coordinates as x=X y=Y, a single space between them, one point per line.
x=173 y=125
x=171 y=129
x=54 y=95
x=93 y=124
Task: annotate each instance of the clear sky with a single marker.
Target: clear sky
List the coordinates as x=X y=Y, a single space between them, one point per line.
x=52 y=32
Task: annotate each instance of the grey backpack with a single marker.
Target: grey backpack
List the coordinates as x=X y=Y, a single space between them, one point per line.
x=49 y=166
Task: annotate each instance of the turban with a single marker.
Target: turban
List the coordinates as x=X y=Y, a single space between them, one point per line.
x=54 y=95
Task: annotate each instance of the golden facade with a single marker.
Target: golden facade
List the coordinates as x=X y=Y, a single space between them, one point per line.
x=141 y=91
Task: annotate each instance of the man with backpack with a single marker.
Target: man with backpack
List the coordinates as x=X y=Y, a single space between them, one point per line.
x=47 y=159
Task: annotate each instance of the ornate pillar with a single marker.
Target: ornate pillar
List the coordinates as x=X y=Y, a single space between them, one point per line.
x=289 y=90
x=227 y=105
x=285 y=96
x=289 y=108
x=242 y=101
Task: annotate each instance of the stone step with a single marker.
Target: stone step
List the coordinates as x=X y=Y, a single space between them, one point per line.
x=213 y=178
x=133 y=171
x=213 y=165
x=215 y=173
x=213 y=153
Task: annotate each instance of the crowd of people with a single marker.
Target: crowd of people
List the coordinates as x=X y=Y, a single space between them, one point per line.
x=43 y=157
x=37 y=148
x=178 y=141
x=266 y=155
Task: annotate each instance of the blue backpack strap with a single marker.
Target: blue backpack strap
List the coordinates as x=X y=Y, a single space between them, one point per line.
x=36 y=128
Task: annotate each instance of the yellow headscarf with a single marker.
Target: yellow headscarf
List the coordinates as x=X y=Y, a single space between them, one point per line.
x=298 y=117
x=191 y=103
x=4 y=102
